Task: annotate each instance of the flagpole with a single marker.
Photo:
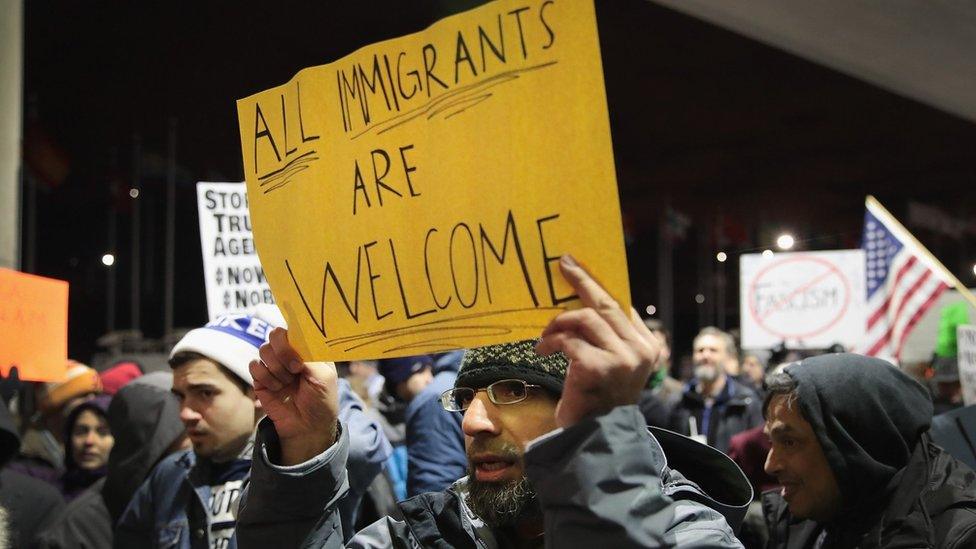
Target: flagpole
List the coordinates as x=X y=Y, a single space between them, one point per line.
x=168 y=288
x=135 y=306
x=872 y=202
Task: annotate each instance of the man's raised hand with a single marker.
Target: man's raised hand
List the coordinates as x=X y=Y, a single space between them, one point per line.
x=301 y=398
x=611 y=352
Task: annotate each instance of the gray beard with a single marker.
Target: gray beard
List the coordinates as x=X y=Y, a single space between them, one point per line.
x=706 y=373
x=501 y=504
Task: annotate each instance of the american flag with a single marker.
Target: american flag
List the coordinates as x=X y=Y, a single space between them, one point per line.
x=903 y=281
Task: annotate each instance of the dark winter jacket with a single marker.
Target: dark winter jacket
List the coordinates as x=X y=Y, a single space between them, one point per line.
x=897 y=488
x=435 y=443
x=144 y=419
x=171 y=508
x=27 y=505
x=932 y=503
x=736 y=409
x=83 y=524
x=605 y=482
x=659 y=398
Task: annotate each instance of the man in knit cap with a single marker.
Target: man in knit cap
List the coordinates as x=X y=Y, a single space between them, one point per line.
x=191 y=498
x=558 y=455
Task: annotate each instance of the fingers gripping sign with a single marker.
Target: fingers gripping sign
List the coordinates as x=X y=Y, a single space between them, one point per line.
x=611 y=352
x=301 y=398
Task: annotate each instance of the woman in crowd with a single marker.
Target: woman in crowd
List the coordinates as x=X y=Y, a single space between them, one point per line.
x=88 y=442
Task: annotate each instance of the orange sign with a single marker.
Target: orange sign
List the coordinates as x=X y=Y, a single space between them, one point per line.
x=33 y=326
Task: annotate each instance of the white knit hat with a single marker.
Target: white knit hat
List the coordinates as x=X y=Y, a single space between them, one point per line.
x=233 y=340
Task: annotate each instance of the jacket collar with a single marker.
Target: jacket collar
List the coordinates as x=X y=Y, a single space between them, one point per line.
x=198 y=469
x=694 y=471
x=730 y=396
x=702 y=474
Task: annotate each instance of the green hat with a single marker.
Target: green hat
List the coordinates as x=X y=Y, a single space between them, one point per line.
x=485 y=365
x=949 y=317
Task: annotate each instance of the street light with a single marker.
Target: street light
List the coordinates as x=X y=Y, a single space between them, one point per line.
x=108 y=260
x=133 y=193
x=767 y=253
x=785 y=241
x=650 y=310
x=721 y=257
x=699 y=299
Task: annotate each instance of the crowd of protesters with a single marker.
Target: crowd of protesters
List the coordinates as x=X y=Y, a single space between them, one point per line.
x=585 y=437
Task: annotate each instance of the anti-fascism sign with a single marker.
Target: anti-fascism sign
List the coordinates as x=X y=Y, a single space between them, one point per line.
x=966 y=340
x=234 y=277
x=807 y=299
x=416 y=195
x=33 y=326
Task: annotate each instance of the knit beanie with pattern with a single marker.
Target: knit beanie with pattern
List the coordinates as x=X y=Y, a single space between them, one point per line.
x=483 y=366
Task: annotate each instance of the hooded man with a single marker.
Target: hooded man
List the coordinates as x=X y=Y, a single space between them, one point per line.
x=144 y=417
x=850 y=445
x=191 y=498
x=593 y=475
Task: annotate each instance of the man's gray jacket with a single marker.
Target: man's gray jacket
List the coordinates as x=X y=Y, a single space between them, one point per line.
x=599 y=484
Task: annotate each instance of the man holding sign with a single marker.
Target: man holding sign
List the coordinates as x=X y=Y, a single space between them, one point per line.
x=461 y=162
x=564 y=490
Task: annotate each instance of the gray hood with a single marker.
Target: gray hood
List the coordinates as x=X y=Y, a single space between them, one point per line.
x=145 y=420
x=697 y=472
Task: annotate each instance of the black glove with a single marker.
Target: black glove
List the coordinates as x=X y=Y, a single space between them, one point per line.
x=10 y=384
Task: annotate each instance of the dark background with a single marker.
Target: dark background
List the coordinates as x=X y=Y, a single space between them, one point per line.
x=744 y=140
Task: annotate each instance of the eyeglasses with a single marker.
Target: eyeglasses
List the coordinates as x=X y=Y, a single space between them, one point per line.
x=505 y=391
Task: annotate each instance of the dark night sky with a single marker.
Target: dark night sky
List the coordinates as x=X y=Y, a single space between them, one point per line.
x=726 y=130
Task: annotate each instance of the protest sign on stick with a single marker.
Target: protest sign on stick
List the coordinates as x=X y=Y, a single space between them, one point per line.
x=416 y=195
x=234 y=278
x=34 y=326
x=805 y=299
x=966 y=340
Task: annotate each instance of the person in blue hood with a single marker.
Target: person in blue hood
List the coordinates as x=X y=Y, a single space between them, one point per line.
x=435 y=443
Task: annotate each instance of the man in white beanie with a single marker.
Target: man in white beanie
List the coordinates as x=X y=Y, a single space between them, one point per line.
x=190 y=499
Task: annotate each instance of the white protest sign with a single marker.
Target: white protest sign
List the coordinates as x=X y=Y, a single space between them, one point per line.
x=966 y=342
x=232 y=271
x=807 y=299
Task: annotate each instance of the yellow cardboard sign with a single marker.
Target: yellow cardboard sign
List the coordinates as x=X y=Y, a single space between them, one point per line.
x=415 y=196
